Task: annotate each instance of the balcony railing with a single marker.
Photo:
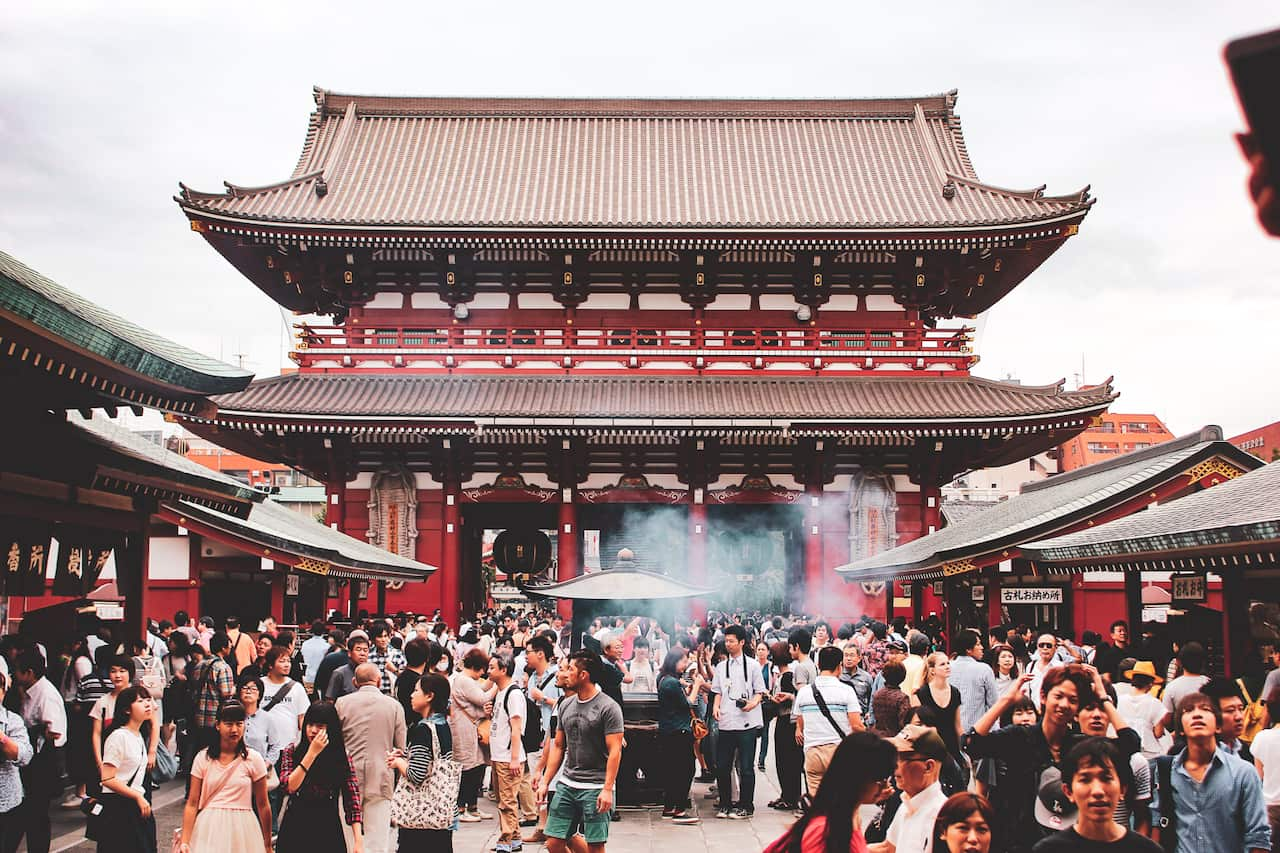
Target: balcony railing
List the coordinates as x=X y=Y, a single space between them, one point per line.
x=448 y=347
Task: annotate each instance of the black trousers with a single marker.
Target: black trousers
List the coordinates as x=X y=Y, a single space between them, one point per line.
x=469 y=790
x=789 y=758
x=676 y=751
x=41 y=782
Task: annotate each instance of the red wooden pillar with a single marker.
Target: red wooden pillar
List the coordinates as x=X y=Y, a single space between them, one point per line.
x=814 y=576
x=994 y=608
x=278 y=571
x=450 y=554
x=568 y=560
x=697 y=565
x=335 y=515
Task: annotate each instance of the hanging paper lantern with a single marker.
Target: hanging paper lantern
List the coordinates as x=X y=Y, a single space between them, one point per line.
x=522 y=551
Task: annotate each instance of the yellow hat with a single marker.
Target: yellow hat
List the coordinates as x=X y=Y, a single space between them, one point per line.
x=1144 y=667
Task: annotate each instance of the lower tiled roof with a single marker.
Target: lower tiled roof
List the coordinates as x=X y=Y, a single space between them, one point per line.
x=1243 y=510
x=1047 y=506
x=814 y=399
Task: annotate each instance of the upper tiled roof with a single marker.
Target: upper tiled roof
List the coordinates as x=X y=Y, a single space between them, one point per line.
x=31 y=299
x=1246 y=509
x=1049 y=505
x=617 y=163
x=825 y=398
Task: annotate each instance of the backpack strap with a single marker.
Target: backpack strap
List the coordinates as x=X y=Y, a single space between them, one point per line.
x=1168 y=809
x=826 y=712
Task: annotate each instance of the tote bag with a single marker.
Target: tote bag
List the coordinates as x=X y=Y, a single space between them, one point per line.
x=434 y=803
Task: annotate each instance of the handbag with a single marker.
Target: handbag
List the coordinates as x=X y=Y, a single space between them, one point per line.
x=166 y=765
x=700 y=728
x=434 y=803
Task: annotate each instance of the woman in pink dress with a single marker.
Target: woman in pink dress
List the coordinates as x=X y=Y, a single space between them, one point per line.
x=227 y=781
x=861 y=767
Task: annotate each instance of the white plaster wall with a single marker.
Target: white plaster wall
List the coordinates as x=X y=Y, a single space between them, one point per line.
x=882 y=302
x=661 y=302
x=169 y=558
x=731 y=302
x=606 y=302
x=841 y=302
x=490 y=300
x=777 y=302
x=427 y=300
x=385 y=300
x=902 y=483
x=363 y=480
x=538 y=300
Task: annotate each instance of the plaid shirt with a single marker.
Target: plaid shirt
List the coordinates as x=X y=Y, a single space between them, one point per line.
x=350 y=789
x=211 y=692
x=873 y=656
x=380 y=659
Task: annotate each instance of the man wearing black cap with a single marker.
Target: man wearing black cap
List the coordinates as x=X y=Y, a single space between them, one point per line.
x=920 y=756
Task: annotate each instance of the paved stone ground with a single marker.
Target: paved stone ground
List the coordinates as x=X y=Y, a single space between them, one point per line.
x=639 y=831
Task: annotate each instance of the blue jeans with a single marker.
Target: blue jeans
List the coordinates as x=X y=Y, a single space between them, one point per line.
x=739 y=745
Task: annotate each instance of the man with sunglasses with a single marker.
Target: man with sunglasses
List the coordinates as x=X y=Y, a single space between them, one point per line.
x=920 y=756
x=1044 y=659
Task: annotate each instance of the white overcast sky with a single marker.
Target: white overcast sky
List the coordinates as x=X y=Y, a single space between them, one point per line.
x=1170 y=285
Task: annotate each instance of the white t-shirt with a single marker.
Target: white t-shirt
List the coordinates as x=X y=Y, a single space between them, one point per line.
x=43 y=704
x=1266 y=751
x=127 y=752
x=291 y=706
x=509 y=702
x=103 y=710
x=841 y=700
x=912 y=827
x=1142 y=711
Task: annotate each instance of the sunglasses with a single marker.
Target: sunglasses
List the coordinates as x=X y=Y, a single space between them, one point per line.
x=1046 y=645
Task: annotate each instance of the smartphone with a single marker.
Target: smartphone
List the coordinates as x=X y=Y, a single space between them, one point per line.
x=1254 y=62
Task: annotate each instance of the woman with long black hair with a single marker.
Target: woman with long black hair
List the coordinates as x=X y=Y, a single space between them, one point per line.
x=125 y=823
x=430 y=700
x=675 y=734
x=314 y=774
x=860 y=767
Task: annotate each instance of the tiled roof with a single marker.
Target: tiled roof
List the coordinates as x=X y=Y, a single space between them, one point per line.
x=1048 y=505
x=1246 y=509
x=32 y=299
x=272 y=525
x=816 y=399
x=954 y=512
x=494 y=163
x=621 y=585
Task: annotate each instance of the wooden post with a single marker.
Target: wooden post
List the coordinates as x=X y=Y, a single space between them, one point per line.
x=382 y=598
x=450 y=552
x=568 y=559
x=1133 y=604
x=814 y=589
x=1235 y=620
x=696 y=571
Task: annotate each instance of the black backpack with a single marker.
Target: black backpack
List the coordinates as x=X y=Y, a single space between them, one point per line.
x=533 y=735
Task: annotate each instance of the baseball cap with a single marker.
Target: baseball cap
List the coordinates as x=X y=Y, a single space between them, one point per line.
x=921 y=740
x=897 y=646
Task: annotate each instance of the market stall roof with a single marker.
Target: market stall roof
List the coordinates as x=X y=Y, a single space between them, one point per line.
x=1234 y=523
x=298 y=540
x=620 y=585
x=60 y=351
x=1047 y=506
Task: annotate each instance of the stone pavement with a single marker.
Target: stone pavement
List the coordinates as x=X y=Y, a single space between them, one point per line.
x=639 y=831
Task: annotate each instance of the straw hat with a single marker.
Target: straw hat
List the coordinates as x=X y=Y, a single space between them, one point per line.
x=1144 y=667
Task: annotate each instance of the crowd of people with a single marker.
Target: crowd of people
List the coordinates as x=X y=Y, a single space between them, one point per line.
x=388 y=734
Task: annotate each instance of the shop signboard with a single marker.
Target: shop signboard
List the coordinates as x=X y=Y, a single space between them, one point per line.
x=1031 y=595
x=1189 y=587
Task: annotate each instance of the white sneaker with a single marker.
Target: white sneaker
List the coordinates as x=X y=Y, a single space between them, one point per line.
x=468 y=817
x=482 y=815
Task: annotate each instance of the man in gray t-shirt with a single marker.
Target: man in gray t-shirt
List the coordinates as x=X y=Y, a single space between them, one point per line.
x=588 y=743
